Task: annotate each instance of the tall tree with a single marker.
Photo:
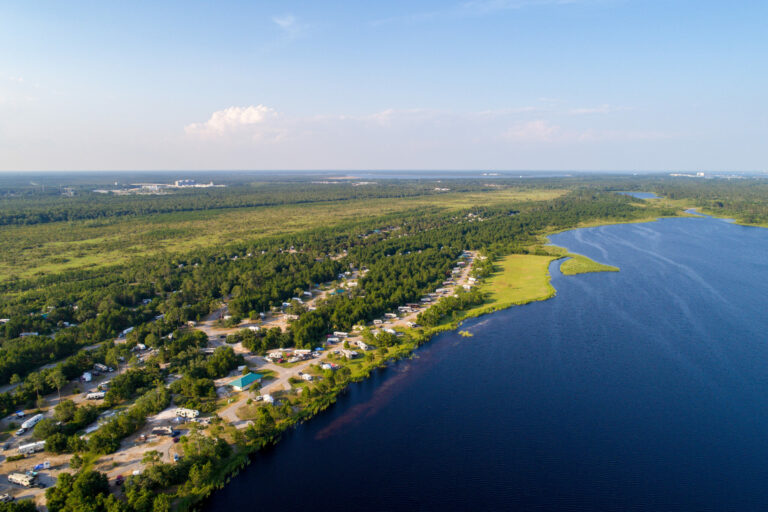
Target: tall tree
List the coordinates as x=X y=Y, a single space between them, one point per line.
x=57 y=379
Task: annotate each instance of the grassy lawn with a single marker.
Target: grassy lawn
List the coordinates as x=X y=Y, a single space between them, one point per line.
x=248 y=411
x=265 y=374
x=519 y=279
x=579 y=264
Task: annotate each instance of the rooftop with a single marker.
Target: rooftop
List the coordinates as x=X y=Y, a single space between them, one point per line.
x=245 y=380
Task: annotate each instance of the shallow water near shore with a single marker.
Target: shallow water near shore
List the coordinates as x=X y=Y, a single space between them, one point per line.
x=645 y=389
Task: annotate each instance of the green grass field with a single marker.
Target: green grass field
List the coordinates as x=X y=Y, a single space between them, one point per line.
x=519 y=279
x=45 y=249
x=579 y=264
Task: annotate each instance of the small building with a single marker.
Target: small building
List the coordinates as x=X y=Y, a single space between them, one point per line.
x=242 y=382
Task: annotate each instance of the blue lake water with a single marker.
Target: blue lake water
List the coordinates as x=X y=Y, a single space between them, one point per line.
x=645 y=389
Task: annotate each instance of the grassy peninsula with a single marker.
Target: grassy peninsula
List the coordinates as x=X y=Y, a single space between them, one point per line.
x=578 y=264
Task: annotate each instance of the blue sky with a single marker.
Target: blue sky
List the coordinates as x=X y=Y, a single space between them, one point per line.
x=473 y=84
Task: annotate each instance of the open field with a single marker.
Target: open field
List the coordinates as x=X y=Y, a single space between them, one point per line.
x=519 y=279
x=50 y=248
x=578 y=264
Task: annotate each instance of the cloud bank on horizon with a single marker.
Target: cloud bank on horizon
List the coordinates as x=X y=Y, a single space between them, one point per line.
x=491 y=84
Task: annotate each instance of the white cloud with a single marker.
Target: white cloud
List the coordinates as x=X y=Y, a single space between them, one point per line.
x=538 y=130
x=290 y=25
x=234 y=120
x=428 y=129
x=285 y=22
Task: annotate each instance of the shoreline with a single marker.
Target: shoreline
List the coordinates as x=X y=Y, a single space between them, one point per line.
x=241 y=459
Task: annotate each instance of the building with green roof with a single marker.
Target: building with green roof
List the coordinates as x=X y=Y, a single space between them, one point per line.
x=244 y=381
